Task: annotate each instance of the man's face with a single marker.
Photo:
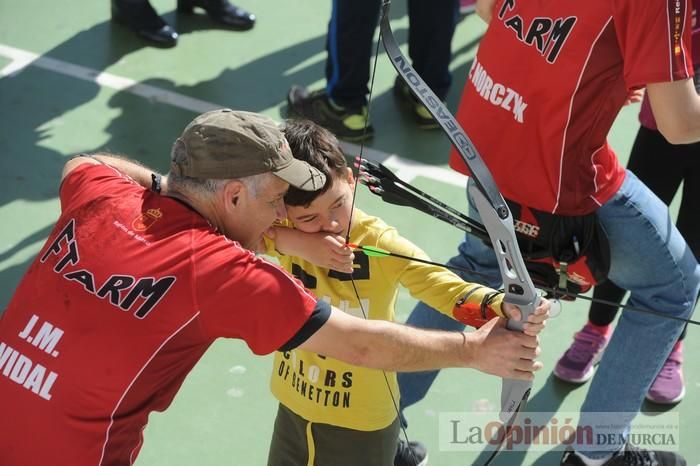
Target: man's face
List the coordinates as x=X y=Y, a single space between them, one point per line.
x=254 y=211
x=330 y=212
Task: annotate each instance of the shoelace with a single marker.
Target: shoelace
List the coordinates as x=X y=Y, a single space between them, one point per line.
x=584 y=342
x=670 y=367
x=633 y=456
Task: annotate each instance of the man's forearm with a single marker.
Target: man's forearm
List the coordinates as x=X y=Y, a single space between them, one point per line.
x=386 y=345
x=397 y=347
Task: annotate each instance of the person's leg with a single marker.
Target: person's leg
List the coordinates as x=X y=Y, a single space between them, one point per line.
x=475 y=255
x=601 y=314
x=338 y=445
x=687 y=214
x=687 y=222
x=140 y=17
x=662 y=179
x=220 y=11
x=578 y=362
x=349 y=48
x=650 y=259
x=679 y=162
x=288 y=446
x=431 y=28
x=342 y=106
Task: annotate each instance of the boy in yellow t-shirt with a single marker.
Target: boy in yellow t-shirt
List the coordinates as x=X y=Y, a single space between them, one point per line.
x=333 y=413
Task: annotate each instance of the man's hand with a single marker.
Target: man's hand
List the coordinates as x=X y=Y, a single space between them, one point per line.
x=504 y=353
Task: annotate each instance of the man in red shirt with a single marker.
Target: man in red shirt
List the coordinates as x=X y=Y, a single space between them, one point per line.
x=132 y=287
x=543 y=91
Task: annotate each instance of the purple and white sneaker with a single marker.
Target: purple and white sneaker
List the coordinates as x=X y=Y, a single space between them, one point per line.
x=668 y=387
x=577 y=364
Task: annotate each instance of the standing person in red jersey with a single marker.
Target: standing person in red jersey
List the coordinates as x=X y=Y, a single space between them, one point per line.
x=132 y=287
x=544 y=89
x=679 y=164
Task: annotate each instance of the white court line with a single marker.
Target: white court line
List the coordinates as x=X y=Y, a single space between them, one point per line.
x=405 y=168
x=21 y=59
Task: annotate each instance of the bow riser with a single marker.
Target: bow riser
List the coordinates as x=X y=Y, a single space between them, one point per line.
x=518 y=286
x=492 y=209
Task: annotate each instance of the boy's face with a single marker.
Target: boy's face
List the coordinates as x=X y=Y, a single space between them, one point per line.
x=330 y=212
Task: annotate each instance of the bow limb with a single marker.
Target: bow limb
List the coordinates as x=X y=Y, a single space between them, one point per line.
x=492 y=208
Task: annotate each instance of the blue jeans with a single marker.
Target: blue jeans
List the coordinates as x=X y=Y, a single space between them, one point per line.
x=649 y=258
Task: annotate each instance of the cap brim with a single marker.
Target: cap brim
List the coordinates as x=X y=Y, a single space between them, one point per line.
x=301 y=175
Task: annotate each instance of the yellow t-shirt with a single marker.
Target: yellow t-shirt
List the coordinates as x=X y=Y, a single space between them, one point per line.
x=325 y=390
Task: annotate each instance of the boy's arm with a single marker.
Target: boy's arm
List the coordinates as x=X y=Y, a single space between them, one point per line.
x=321 y=249
x=470 y=303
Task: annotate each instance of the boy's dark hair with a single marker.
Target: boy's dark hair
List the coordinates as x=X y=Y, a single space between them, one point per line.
x=319 y=148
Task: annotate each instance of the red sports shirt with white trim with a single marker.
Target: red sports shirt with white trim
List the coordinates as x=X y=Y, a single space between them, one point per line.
x=129 y=291
x=548 y=81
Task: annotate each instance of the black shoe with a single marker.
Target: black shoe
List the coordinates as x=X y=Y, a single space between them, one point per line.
x=410 y=454
x=220 y=11
x=345 y=122
x=410 y=102
x=144 y=21
x=630 y=456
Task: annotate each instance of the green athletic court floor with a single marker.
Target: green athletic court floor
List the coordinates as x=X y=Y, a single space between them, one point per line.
x=71 y=82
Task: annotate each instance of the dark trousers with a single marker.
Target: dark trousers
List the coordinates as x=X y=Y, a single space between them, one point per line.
x=349 y=46
x=296 y=442
x=662 y=167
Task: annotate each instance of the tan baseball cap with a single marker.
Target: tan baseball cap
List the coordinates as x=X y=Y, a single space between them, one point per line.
x=228 y=143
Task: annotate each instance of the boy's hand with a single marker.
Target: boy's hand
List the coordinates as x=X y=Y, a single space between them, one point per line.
x=484 y=304
x=535 y=321
x=331 y=252
x=322 y=249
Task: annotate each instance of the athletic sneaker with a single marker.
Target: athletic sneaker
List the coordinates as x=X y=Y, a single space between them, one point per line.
x=467 y=6
x=576 y=365
x=345 y=122
x=630 y=455
x=668 y=387
x=411 y=454
x=418 y=111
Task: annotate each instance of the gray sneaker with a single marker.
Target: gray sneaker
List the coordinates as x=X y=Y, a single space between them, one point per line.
x=630 y=455
x=351 y=124
x=411 y=454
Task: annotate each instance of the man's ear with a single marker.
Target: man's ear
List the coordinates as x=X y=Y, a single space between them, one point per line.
x=232 y=193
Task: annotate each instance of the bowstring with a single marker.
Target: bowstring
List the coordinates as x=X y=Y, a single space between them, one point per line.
x=394 y=402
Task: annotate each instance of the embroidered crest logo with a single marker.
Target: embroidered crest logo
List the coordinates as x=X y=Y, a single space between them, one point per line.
x=144 y=221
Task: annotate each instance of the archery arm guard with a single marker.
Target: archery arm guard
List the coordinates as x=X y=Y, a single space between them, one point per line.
x=479 y=305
